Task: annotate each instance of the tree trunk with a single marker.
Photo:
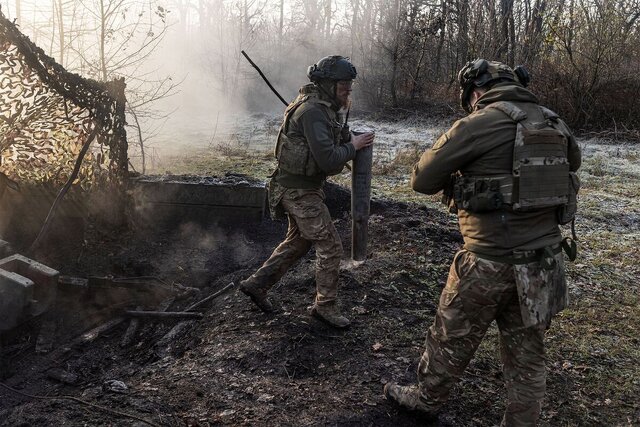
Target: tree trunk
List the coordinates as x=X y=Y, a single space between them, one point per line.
x=441 y=38
x=281 y=26
x=534 y=36
x=327 y=15
x=103 y=37
x=61 y=32
x=463 y=33
x=354 y=27
x=506 y=11
x=18 y=11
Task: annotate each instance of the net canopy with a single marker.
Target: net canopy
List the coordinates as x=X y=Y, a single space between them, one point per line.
x=47 y=114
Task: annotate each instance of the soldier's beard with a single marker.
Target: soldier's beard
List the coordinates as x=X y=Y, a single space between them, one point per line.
x=345 y=103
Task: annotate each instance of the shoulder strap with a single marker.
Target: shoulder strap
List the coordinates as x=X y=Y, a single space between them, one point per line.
x=516 y=114
x=548 y=114
x=291 y=109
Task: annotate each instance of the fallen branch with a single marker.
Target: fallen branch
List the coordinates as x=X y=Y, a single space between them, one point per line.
x=131 y=331
x=94 y=333
x=63 y=191
x=164 y=314
x=164 y=306
x=211 y=297
x=163 y=345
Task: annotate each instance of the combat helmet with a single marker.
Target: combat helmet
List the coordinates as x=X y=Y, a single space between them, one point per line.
x=480 y=72
x=334 y=67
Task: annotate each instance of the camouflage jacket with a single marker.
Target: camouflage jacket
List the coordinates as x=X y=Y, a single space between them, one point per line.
x=481 y=144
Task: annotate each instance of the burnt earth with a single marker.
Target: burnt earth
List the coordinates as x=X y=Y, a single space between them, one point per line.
x=238 y=366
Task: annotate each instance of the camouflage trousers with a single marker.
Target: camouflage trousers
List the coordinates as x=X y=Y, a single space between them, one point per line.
x=310 y=224
x=479 y=291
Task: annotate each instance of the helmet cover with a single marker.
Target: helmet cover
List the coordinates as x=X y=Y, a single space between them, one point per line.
x=480 y=72
x=332 y=67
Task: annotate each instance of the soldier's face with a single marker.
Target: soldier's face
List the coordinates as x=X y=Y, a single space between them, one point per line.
x=343 y=91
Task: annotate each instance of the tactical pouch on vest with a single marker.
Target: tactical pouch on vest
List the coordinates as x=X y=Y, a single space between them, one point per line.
x=478 y=194
x=295 y=157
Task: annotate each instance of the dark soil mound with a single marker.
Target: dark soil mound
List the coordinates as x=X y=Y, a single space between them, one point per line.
x=238 y=366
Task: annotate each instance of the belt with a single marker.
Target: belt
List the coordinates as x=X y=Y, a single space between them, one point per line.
x=545 y=256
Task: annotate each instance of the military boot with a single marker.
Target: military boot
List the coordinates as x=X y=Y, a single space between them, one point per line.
x=330 y=314
x=257 y=294
x=408 y=397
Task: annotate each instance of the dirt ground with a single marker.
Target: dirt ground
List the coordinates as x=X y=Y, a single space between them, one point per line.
x=238 y=366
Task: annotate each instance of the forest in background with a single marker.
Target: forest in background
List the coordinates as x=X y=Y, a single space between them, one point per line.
x=583 y=55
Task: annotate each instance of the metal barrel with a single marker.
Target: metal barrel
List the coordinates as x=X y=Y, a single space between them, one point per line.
x=360 y=201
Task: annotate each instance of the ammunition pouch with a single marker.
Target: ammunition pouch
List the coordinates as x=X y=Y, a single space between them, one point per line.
x=294 y=157
x=480 y=194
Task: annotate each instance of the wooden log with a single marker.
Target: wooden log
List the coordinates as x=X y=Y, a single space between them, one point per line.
x=163 y=347
x=94 y=333
x=360 y=202
x=131 y=331
x=164 y=314
x=164 y=306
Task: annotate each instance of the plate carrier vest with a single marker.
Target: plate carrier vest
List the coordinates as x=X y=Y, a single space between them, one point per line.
x=293 y=154
x=540 y=175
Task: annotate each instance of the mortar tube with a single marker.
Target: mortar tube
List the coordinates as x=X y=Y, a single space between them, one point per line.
x=360 y=201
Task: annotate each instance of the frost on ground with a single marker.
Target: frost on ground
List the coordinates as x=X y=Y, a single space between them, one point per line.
x=235 y=134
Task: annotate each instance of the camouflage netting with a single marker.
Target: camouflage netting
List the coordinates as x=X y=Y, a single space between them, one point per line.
x=47 y=114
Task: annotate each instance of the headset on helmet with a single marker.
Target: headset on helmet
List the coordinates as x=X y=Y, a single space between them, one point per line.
x=523 y=75
x=332 y=67
x=480 y=72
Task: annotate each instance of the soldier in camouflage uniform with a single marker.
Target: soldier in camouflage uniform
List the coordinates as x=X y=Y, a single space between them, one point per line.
x=313 y=143
x=514 y=164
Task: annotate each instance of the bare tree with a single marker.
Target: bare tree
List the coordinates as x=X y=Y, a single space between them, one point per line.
x=406 y=51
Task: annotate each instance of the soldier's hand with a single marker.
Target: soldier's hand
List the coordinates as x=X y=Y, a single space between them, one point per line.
x=362 y=140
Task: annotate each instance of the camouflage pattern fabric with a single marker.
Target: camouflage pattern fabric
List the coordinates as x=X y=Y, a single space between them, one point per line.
x=477 y=292
x=542 y=293
x=47 y=114
x=309 y=224
x=275 y=194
